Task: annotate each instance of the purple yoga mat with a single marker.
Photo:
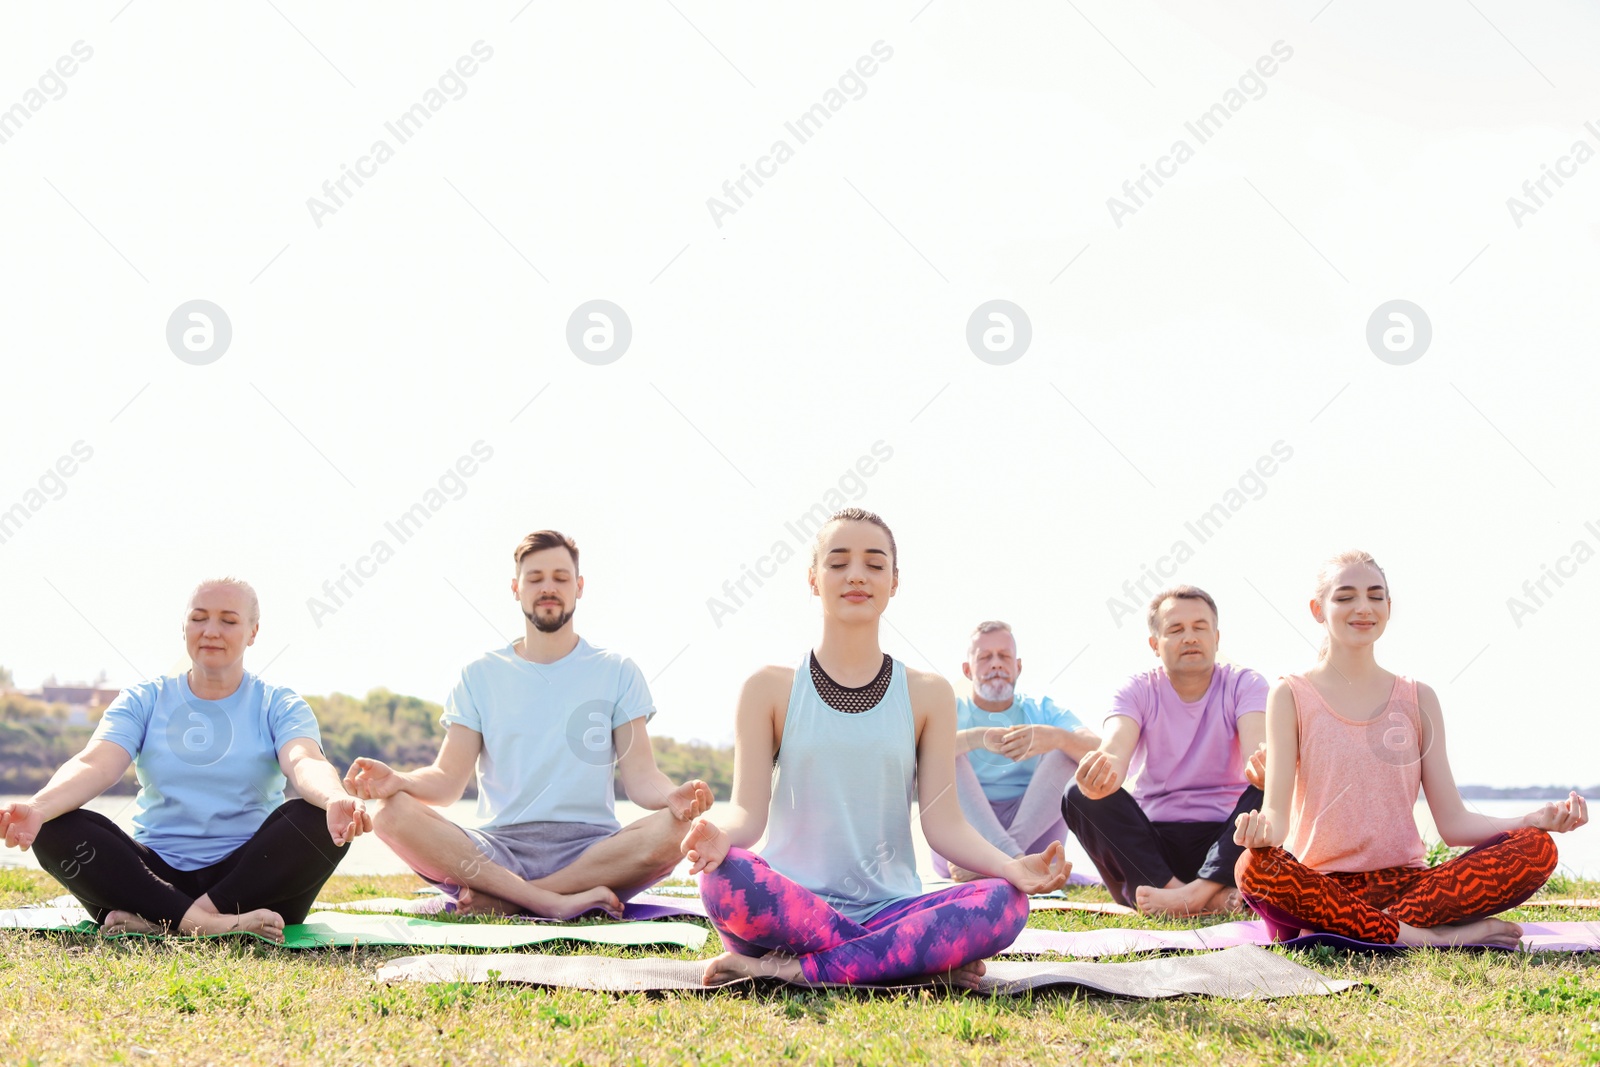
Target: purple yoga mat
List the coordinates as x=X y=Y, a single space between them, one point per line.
x=643 y=908
x=1116 y=941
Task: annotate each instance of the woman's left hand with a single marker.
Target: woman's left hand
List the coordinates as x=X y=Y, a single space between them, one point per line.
x=347 y=820
x=1042 y=872
x=1559 y=816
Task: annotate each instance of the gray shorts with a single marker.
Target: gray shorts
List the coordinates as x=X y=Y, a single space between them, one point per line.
x=536 y=849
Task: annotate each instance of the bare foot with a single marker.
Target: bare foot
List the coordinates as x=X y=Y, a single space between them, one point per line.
x=1495 y=932
x=1199 y=897
x=961 y=874
x=966 y=976
x=126 y=922
x=471 y=901
x=261 y=922
x=730 y=967
x=568 y=905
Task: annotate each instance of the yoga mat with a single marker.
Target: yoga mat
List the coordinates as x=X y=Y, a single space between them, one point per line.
x=649 y=906
x=1102 y=907
x=1242 y=973
x=1087 y=944
x=343 y=930
x=1562 y=902
x=645 y=907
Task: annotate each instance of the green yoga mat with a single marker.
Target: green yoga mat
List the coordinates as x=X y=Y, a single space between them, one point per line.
x=330 y=929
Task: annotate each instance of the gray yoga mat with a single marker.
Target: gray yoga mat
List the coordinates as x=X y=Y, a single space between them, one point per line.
x=327 y=929
x=1242 y=973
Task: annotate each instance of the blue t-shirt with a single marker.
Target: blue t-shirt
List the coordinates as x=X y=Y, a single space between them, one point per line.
x=548 y=750
x=1002 y=778
x=208 y=769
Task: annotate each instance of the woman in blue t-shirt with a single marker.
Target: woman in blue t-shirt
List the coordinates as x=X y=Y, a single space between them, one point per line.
x=215 y=847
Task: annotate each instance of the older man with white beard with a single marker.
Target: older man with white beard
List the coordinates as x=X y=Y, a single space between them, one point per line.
x=1015 y=755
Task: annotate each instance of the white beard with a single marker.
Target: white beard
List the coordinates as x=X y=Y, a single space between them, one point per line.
x=995 y=691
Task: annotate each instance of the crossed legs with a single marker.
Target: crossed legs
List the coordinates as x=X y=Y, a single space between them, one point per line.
x=1017 y=827
x=1450 y=904
x=774 y=927
x=604 y=875
x=127 y=887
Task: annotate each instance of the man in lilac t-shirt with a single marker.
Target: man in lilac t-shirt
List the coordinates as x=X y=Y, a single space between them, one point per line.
x=1185 y=732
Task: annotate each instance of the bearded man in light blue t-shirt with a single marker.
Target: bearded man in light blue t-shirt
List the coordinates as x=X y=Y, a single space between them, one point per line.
x=545 y=720
x=1015 y=754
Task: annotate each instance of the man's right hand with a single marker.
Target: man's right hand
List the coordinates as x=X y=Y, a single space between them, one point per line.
x=1097 y=775
x=372 y=779
x=1255 y=771
x=994 y=740
x=19 y=825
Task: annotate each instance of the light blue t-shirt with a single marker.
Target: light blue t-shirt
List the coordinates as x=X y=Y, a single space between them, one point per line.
x=1001 y=778
x=548 y=750
x=208 y=769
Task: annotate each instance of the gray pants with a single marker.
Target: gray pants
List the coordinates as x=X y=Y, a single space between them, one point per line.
x=1016 y=827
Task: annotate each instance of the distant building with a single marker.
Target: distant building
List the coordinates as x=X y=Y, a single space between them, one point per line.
x=82 y=701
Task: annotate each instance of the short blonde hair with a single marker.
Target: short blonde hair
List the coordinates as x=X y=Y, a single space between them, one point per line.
x=237 y=583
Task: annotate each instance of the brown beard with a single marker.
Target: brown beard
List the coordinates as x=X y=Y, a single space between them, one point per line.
x=544 y=627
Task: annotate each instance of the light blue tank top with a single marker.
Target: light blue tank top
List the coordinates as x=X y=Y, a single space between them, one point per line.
x=840 y=818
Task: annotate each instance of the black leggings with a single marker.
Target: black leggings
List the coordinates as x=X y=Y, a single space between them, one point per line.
x=1130 y=850
x=282 y=867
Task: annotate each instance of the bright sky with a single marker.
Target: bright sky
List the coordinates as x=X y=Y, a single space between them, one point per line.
x=378 y=337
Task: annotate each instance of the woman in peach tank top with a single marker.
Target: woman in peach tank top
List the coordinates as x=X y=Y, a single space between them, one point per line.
x=1349 y=748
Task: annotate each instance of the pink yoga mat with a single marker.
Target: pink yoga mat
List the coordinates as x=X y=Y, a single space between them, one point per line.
x=1084 y=944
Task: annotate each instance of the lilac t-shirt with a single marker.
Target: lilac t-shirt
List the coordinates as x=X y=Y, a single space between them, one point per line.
x=1187 y=758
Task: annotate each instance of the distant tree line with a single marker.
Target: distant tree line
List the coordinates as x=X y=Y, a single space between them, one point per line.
x=403 y=731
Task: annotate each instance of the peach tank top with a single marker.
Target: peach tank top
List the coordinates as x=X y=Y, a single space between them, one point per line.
x=1357 y=783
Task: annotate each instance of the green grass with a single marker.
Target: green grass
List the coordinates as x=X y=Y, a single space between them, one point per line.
x=75 y=1000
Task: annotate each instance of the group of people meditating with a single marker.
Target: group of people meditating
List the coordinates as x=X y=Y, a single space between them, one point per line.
x=1206 y=791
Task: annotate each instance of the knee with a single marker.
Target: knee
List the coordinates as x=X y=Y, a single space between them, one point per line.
x=735 y=868
x=1539 y=848
x=1010 y=909
x=668 y=848
x=1074 y=805
x=1056 y=760
x=1249 y=869
x=391 y=813
x=301 y=812
x=62 y=835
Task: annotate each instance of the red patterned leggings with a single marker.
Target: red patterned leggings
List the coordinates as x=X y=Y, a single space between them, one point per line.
x=1370 y=905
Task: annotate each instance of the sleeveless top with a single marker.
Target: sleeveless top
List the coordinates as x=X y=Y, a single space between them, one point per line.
x=1357 y=783
x=840 y=819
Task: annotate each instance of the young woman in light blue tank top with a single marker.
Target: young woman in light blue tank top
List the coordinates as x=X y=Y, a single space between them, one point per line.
x=829 y=773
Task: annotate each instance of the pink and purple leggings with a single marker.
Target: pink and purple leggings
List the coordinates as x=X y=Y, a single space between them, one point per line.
x=757 y=910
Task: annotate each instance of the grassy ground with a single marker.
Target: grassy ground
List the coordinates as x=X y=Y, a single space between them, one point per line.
x=75 y=1000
